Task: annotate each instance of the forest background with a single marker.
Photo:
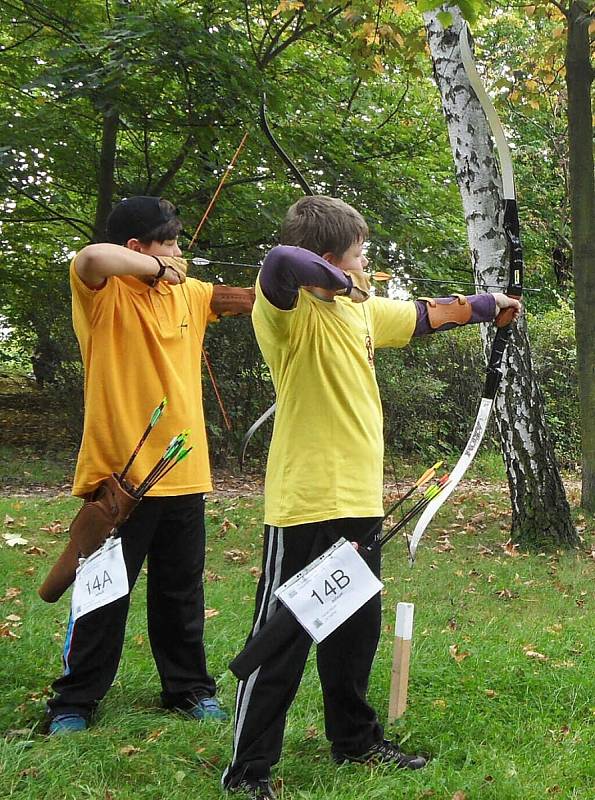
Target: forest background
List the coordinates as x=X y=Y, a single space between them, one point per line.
x=104 y=100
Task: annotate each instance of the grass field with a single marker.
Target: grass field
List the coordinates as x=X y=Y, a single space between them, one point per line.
x=502 y=688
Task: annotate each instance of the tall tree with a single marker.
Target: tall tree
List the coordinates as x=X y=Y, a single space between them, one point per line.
x=579 y=78
x=541 y=514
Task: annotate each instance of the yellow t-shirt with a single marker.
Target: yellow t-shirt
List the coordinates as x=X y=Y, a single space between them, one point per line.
x=326 y=455
x=141 y=344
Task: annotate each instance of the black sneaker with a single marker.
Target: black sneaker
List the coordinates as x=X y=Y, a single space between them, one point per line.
x=254 y=789
x=384 y=753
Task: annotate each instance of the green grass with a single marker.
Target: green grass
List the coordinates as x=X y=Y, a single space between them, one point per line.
x=500 y=724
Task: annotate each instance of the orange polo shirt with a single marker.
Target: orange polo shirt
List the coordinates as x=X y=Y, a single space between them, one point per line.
x=140 y=344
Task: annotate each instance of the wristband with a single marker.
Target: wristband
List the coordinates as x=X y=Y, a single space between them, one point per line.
x=161 y=272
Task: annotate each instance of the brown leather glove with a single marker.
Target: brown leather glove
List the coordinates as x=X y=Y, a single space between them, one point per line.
x=108 y=508
x=232 y=300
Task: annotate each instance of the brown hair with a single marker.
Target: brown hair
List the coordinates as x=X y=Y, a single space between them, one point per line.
x=167 y=230
x=323 y=225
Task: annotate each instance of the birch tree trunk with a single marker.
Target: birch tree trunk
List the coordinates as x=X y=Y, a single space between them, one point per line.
x=540 y=511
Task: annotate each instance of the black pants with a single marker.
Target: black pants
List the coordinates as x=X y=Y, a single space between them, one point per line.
x=170 y=532
x=344 y=658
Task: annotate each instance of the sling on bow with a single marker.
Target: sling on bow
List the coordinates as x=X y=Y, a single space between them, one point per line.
x=514 y=289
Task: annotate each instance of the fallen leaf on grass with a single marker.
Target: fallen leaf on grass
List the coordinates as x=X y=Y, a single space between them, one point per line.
x=257 y=572
x=13 y=539
x=226 y=525
x=34 y=550
x=212 y=577
x=10 y=594
x=510 y=549
x=154 y=735
x=491 y=693
x=13 y=618
x=443 y=545
x=53 y=527
x=458 y=656
x=506 y=594
x=235 y=556
x=211 y=612
x=531 y=653
x=30 y=772
x=459 y=795
x=17 y=733
x=129 y=750
x=6 y=632
x=8 y=520
x=557 y=628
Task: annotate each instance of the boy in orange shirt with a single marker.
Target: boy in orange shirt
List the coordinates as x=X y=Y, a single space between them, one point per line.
x=140 y=324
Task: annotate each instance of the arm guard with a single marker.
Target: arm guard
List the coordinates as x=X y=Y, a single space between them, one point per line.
x=232 y=300
x=448 y=311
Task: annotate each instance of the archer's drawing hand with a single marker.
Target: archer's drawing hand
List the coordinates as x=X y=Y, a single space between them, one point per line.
x=360 y=288
x=175 y=271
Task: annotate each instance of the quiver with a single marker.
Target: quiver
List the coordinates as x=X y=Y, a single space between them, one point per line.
x=105 y=511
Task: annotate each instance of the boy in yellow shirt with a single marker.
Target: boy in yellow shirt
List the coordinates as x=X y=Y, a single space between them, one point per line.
x=318 y=328
x=140 y=324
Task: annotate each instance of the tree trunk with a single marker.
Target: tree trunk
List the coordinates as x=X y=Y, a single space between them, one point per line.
x=540 y=511
x=579 y=77
x=105 y=170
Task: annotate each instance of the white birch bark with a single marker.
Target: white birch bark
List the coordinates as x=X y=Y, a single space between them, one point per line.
x=540 y=512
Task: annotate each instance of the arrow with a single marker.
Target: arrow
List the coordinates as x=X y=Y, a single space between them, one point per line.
x=155 y=417
x=200 y=261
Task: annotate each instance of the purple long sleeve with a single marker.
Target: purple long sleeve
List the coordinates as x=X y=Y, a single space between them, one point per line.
x=286 y=268
x=483 y=309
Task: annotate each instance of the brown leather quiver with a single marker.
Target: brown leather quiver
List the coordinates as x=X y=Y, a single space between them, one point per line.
x=107 y=508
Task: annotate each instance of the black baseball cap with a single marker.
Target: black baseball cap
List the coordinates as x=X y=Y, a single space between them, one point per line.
x=134 y=217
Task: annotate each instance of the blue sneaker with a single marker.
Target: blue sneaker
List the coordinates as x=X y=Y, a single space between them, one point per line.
x=67 y=723
x=208 y=709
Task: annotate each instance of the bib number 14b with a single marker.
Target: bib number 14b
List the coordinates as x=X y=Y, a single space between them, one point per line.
x=329 y=590
x=339 y=582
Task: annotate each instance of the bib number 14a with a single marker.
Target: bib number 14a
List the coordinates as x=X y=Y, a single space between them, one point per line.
x=100 y=579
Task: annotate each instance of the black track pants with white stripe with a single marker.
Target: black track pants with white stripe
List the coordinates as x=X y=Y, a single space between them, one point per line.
x=344 y=659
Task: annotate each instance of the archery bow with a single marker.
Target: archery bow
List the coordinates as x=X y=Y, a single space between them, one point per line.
x=197 y=231
x=511 y=228
x=307 y=190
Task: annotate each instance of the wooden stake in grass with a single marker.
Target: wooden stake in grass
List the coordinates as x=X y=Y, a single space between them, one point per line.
x=397 y=701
